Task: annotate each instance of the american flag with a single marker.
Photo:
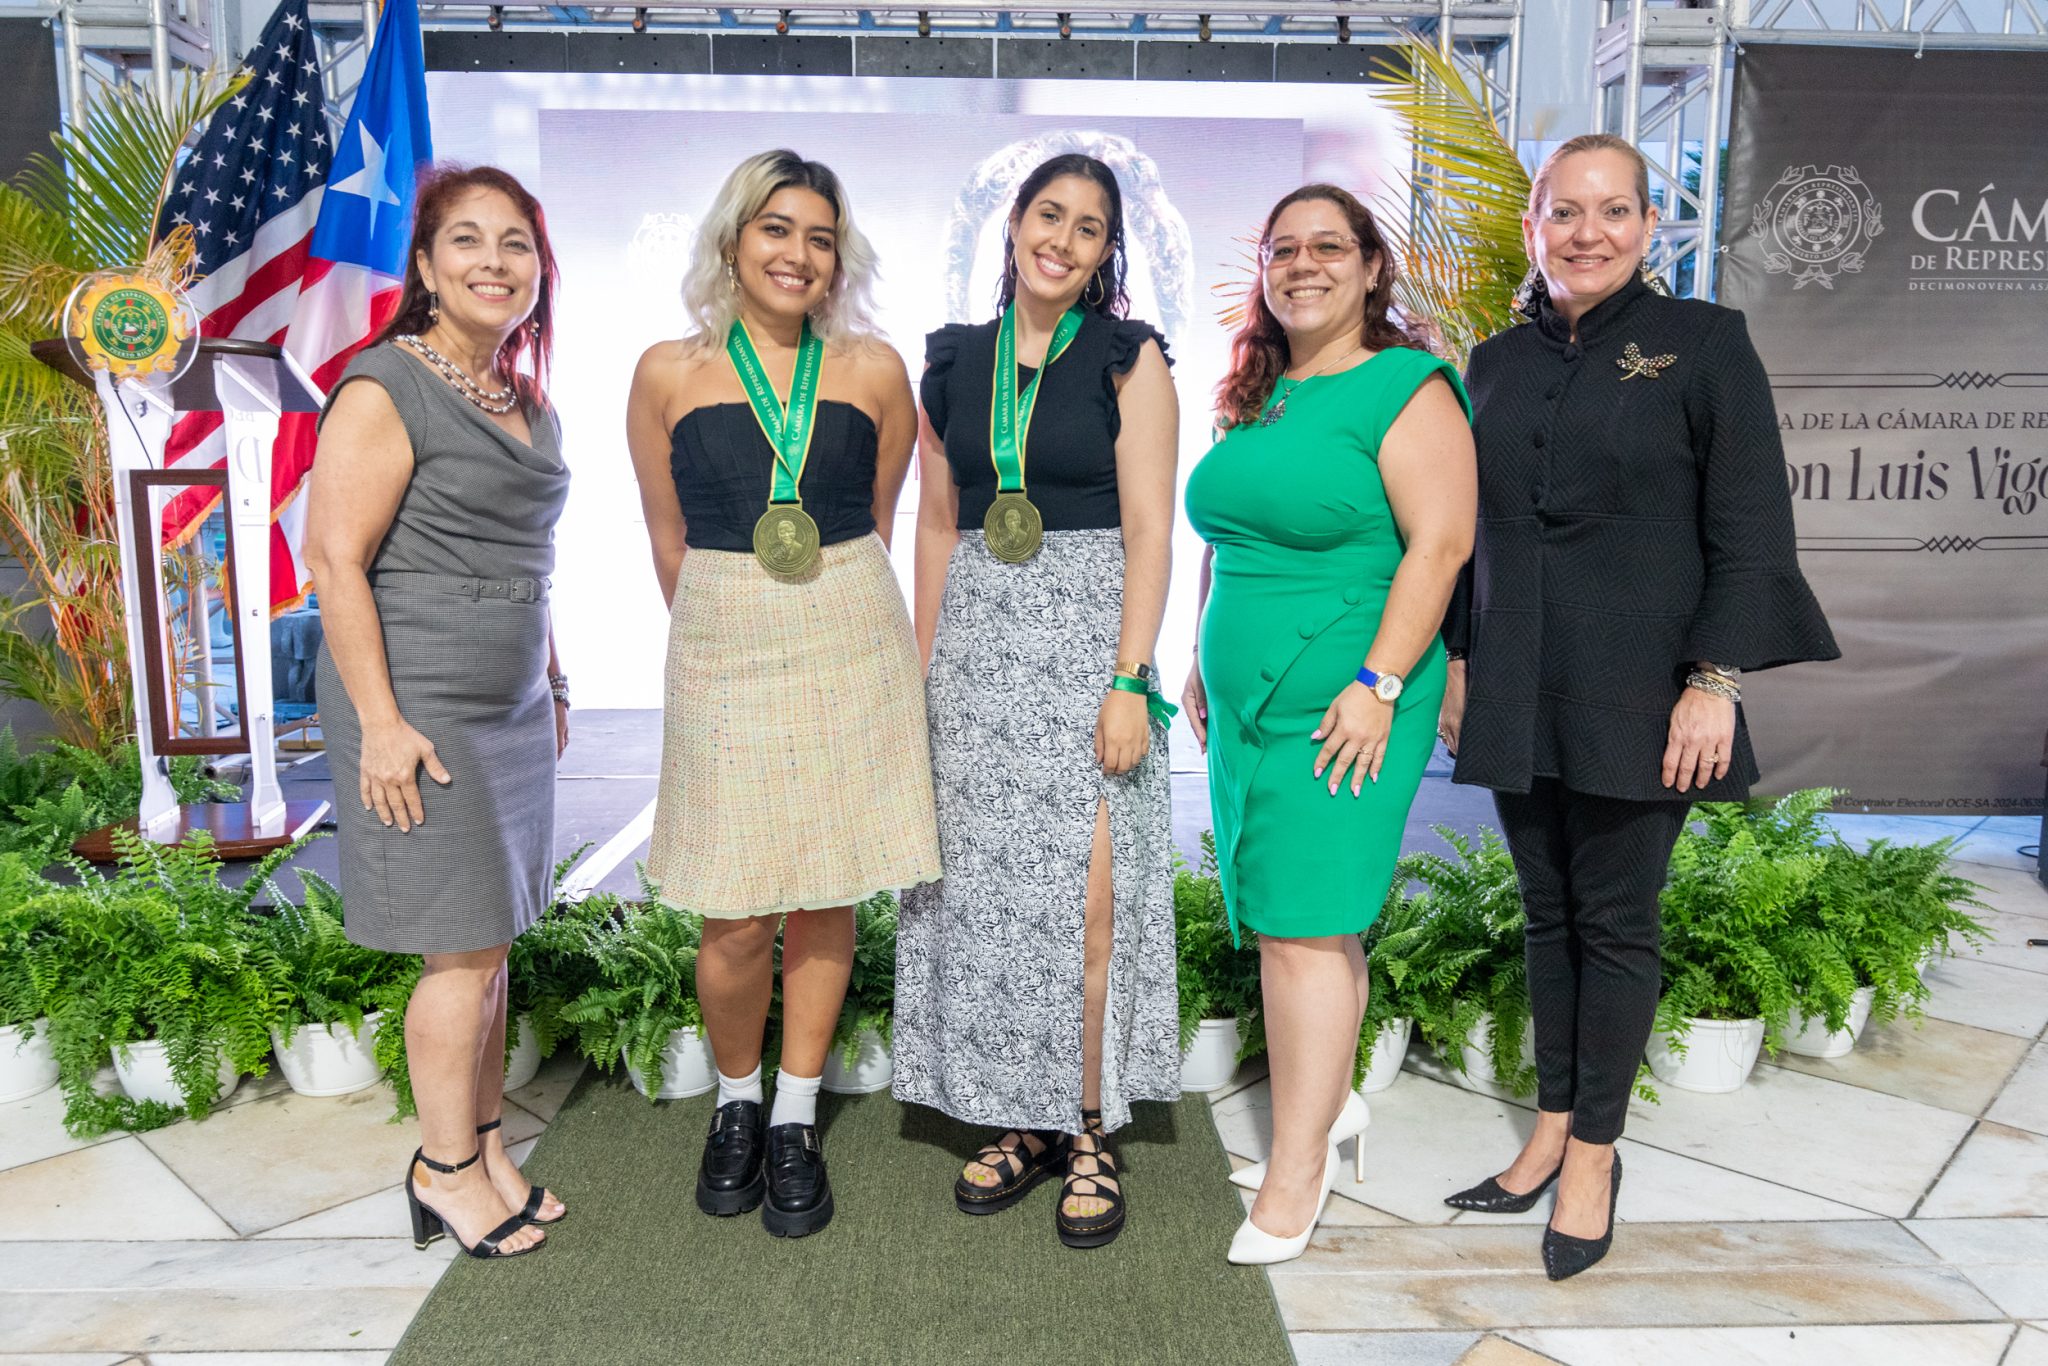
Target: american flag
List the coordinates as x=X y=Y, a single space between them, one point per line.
x=288 y=256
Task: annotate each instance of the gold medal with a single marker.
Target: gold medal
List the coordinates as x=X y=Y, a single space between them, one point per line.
x=786 y=540
x=1013 y=527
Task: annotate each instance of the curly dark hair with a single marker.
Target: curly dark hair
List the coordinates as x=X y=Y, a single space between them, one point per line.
x=1258 y=353
x=1111 y=298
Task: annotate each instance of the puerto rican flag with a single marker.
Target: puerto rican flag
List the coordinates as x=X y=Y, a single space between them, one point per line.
x=301 y=240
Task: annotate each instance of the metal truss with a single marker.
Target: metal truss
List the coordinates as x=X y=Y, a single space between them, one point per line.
x=1661 y=71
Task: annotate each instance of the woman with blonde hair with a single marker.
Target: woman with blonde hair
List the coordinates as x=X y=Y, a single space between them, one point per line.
x=1635 y=555
x=770 y=446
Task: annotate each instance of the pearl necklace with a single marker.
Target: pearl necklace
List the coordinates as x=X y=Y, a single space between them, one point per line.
x=497 y=402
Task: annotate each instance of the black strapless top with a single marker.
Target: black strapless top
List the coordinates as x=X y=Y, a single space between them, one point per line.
x=723 y=465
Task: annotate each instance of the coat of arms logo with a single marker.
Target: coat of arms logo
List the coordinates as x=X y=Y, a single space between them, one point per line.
x=1816 y=224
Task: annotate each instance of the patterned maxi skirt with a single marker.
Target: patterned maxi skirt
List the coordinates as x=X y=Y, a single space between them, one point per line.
x=795 y=768
x=989 y=960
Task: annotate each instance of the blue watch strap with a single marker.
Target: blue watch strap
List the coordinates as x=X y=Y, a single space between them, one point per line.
x=1368 y=677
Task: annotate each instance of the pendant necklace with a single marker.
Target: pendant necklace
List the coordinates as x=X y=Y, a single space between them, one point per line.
x=1279 y=409
x=496 y=402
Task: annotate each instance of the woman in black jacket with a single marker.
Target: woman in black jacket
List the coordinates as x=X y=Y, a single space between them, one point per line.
x=1635 y=554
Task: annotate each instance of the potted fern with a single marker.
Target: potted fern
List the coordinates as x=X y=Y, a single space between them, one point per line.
x=1218 y=978
x=1882 y=910
x=1392 y=944
x=643 y=1011
x=29 y=950
x=326 y=1031
x=1740 y=944
x=860 y=1062
x=1465 y=981
x=549 y=966
x=160 y=968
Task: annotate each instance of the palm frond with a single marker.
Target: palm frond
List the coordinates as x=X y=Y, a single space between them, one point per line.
x=112 y=172
x=1460 y=242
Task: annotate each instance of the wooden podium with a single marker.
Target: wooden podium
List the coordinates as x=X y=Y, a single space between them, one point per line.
x=251 y=385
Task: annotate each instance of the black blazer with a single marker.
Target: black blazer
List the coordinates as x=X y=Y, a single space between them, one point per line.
x=1633 y=519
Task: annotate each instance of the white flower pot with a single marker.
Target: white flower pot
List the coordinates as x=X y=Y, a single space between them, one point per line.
x=525 y=1060
x=1718 y=1058
x=686 y=1068
x=1210 y=1061
x=1388 y=1050
x=1809 y=1036
x=26 y=1063
x=872 y=1071
x=1478 y=1046
x=145 y=1073
x=327 y=1060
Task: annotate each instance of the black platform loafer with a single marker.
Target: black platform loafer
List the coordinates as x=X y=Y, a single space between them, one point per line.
x=730 y=1179
x=799 y=1194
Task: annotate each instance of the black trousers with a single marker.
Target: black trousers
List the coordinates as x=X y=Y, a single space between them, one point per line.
x=1590 y=869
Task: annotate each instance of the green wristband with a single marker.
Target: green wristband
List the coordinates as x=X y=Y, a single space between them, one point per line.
x=1161 y=710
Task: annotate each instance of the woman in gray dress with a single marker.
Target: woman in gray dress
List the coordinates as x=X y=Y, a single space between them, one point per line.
x=430 y=535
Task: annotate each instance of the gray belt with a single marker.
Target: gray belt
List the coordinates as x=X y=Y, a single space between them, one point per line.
x=511 y=590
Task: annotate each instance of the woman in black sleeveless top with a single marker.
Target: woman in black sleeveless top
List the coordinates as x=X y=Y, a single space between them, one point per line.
x=795 y=777
x=1035 y=984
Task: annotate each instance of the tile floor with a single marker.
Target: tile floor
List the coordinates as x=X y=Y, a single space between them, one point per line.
x=1888 y=1207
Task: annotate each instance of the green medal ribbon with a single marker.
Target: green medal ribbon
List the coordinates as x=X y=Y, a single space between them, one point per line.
x=1009 y=416
x=787 y=427
x=1161 y=710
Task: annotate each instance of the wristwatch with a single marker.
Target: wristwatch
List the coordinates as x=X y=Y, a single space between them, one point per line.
x=1386 y=687
x=1141 y=672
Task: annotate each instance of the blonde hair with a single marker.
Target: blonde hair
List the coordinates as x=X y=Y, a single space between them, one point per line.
x=709 y=298
x=1539 y=184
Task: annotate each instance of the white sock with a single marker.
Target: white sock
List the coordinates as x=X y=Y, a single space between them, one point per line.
x=796 y=1099
x=748 y=1087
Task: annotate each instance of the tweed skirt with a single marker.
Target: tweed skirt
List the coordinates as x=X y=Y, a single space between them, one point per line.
x=471 y=676
x=795 y=769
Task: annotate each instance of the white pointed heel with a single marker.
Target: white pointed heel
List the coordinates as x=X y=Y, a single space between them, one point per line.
x=1351 y=1125
x=1253 y=1246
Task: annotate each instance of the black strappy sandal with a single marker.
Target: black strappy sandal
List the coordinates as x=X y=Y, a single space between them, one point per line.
x=428 y=1226
x=534 y=1195
x=1019 y=1168
x=1103 y=1182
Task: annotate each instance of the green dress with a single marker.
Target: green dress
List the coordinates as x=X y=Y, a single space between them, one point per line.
x=1306 y=548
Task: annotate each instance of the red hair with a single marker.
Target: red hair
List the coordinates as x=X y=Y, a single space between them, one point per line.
x=1258 y=353
x=439 y=189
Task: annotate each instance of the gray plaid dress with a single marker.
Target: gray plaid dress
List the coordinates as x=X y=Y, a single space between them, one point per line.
x=461 y=587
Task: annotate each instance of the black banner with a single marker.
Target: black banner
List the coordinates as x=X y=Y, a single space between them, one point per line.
x=1885 y=230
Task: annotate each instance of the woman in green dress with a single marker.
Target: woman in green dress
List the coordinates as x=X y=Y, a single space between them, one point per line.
x=1338 y=507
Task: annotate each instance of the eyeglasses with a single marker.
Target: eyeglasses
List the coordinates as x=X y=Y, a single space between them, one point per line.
x=1324 y=248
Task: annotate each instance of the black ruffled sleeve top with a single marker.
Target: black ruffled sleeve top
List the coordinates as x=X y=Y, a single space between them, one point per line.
x=723 y=467
x=1633 y=519
x=1070 y=463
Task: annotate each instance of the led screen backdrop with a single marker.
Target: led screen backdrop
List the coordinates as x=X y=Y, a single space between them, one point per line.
x=626 y=164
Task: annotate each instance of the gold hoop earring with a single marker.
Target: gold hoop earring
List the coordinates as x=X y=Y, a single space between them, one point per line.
x=1101 y=291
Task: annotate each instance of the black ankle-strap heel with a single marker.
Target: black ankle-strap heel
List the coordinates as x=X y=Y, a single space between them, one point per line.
x=428 y=1226
x=534 y=1194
